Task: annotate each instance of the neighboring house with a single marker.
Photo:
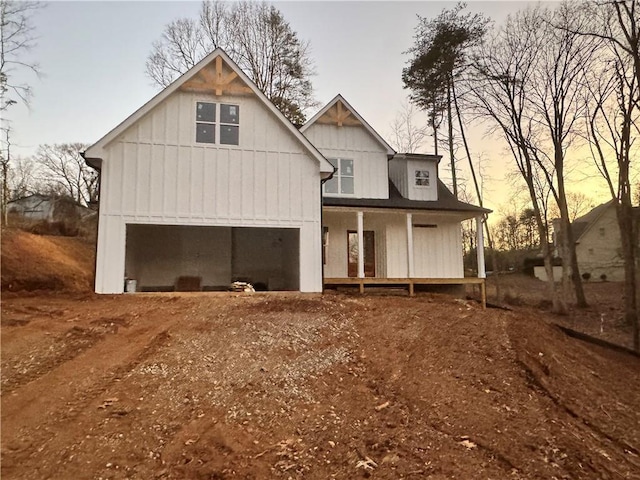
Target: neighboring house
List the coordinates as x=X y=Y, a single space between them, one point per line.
x=208 y=183
x=598 y=244
x=51 y=208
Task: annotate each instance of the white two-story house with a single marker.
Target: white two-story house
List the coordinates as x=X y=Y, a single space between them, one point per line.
x=208 y=183
x=394 y=205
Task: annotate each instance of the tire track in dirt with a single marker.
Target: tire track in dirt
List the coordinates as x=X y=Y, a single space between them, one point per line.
x=63 y=348
x=33 y=422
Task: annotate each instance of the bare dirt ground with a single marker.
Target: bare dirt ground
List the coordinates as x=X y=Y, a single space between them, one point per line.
x=603 y=319
x=253 y=386
x=43 y=262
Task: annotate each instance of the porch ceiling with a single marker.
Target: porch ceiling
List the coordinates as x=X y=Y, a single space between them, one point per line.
x=439 y=214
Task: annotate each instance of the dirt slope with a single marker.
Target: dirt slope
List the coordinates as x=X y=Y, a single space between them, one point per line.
x=41 y=262
x=214 y=386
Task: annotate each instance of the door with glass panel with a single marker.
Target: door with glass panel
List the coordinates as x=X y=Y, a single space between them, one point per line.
x=369 y=253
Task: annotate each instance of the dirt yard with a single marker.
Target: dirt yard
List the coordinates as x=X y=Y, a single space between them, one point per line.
x=603 y=319
x=292 y=386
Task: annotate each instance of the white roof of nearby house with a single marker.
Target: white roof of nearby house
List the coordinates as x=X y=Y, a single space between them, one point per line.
x=95 y=152
x=33 y=195
x=369 y=128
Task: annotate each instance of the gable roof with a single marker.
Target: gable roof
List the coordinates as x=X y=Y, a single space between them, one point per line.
x=584 y=223
x=446 y=202
x=95 y=152
x=33 y=195
x=339 y=100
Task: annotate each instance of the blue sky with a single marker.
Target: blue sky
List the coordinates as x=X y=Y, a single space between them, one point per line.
x=92 y=57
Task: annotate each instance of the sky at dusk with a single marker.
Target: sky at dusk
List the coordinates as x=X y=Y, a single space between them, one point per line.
x=92 y=57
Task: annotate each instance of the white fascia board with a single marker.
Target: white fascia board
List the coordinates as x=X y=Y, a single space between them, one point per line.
x=96 y=151
x=369 y=128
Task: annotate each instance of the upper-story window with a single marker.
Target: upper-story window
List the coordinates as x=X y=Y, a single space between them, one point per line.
x=205 y=122
x=229 y=124
x=342 y=181
x=422 y=178
x=217 y=121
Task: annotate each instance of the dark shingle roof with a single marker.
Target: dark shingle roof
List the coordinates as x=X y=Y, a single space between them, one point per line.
x=446 y=201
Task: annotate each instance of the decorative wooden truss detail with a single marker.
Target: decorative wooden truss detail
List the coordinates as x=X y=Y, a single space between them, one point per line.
x=339 y=115
x=217 y=78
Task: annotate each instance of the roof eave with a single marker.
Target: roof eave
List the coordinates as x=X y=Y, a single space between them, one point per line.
x=389 y=150
x=96 y=151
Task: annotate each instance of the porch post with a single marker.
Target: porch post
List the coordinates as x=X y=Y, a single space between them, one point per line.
x=360 y=244
x=480 y=247
x=410 y=245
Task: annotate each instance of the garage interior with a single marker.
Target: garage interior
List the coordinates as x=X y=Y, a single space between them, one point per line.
x=204 y=258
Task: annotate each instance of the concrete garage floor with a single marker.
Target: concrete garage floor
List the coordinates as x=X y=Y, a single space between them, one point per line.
x=163 y=257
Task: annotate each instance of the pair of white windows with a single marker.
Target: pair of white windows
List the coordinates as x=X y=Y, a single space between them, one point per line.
x=342 y=180
x=217 y=120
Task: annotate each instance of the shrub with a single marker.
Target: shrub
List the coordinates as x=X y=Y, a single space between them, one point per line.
x=60 y=228
x=586 y=276
x=603 y=277
x=545 y=304
x=511 y=299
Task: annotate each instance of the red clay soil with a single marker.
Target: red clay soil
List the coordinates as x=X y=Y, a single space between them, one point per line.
x=42 y=262
x=253 y=386
x=602 y=319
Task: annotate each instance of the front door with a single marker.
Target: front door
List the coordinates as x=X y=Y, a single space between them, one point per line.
x=369 y=253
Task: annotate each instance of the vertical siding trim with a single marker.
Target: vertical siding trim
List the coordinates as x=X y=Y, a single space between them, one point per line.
x=409 y=224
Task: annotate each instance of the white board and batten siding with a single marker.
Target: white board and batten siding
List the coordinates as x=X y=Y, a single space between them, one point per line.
x=402 y=172
x=371 y=176
x=156 y=173
x=438 y=251
x=437 y=248
x=339 y=224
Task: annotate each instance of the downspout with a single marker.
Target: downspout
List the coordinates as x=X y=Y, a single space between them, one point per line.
x=322 y=182
x=95 y=256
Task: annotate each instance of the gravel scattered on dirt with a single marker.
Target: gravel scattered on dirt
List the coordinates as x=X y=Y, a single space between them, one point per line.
x=195 y=386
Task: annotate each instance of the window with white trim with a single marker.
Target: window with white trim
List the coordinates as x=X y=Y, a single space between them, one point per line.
x=229 y=124
x=342 y=181
x=422 y=178
x=205 y=122
x=217 y=123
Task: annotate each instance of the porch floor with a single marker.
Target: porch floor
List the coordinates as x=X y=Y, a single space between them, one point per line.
x=410 y=283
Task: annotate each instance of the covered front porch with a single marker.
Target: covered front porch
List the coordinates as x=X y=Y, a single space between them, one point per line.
x=370 y=247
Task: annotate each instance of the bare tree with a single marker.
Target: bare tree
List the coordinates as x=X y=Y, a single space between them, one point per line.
x=546 y=93
x=64 y=171
x=5 y=160
x=256 y=36
x=504 y=68
x=22 y=178
x=613 y=110
x=578 y=203
x=439 y=58
x=562 y=64
x=407 y=135
x=16 y=39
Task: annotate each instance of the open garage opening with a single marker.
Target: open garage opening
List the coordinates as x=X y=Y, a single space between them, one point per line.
x=204 y=258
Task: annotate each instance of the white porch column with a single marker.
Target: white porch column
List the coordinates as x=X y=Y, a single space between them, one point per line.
x=360 y=244
x=480 y=247
x=410 y=245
